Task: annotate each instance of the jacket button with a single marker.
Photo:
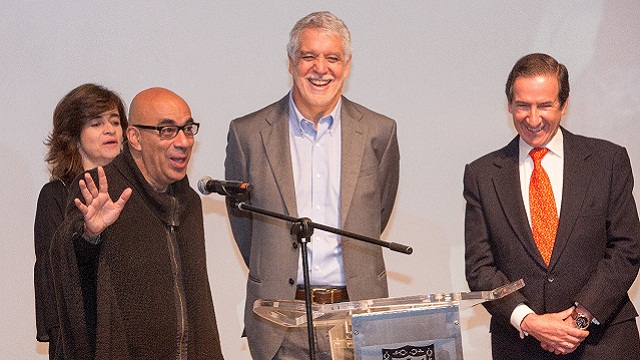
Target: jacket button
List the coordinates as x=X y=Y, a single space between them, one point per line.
x=295 y=245
x=550 y=279
x=291 y=281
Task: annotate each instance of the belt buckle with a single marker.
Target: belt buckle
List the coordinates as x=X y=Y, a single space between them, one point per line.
x=325 y=290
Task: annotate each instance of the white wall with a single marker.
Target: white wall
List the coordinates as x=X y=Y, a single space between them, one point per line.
x=437 y=67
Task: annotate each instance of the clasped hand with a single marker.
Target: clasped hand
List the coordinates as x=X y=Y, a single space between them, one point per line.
x=555 y=331
x=100 y=211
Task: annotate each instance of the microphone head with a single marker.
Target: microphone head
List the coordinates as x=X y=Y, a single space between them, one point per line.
x=202 y=185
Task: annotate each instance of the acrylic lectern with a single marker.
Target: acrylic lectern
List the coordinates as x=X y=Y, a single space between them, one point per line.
x=425 y=327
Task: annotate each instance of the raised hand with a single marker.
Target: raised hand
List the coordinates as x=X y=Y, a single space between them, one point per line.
x=555 y=333
x=98 y=210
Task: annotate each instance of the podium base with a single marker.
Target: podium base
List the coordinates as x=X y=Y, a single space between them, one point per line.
x=429 y=333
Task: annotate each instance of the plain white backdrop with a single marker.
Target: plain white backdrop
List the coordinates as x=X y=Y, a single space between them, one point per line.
x=437 y=67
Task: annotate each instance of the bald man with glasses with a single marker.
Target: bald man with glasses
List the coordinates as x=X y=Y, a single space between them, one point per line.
x=153 y=296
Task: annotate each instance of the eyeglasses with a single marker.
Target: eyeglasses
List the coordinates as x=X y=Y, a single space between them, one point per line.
x=168 y=132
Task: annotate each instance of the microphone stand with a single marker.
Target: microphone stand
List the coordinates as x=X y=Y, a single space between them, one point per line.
x=303 y=229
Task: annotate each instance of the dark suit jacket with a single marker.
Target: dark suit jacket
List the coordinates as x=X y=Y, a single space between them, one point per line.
x=258 y=152
x=597 y=249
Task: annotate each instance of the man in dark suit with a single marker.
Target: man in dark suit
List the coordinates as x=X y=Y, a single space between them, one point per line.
x=566 y=224
x=314 y=153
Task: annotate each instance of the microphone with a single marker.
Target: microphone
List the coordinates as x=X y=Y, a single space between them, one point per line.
x=207 y=185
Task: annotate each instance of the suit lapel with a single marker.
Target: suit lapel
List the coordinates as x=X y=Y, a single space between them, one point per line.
x=509 y=195
x=576 y=179
x=275 y=139
x=353 y=144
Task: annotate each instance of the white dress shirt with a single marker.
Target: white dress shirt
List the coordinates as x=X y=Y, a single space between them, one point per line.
x=553 y=164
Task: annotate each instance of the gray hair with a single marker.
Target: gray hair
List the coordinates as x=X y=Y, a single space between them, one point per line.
x=324 y=21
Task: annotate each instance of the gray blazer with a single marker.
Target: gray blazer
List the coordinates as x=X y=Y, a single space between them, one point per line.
x=258 y=152
x=596 y=253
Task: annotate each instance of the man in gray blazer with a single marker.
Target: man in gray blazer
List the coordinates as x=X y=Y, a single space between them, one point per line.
x=316 y=154
x=574 y=304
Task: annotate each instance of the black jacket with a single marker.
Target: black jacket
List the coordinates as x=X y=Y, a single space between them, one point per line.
x=151 y=279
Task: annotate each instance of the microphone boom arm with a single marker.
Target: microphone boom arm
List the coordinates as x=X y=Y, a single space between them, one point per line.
x=240 y=205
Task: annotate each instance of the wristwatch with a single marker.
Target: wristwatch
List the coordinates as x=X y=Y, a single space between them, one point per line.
x=580 y=320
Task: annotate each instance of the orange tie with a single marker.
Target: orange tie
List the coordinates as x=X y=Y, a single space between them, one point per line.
x=544 y=216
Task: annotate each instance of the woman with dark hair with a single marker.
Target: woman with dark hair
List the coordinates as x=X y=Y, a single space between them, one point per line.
x=88 y=127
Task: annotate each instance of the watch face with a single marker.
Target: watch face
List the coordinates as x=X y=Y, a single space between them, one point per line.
x=582 y=322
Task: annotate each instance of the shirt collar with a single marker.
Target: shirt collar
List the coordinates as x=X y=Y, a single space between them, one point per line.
x=555 y=146
x=301 y=126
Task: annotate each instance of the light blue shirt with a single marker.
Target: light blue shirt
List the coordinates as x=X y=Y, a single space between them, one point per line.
x=316 y=158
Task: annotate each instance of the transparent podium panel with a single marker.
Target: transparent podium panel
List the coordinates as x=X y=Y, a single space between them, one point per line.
x=418 y=333
x=425 y=327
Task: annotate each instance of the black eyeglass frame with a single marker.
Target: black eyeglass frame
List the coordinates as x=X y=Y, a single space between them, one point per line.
x=178 y=128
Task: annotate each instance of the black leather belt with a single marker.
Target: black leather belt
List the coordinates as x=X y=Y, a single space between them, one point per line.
x=324 y=294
